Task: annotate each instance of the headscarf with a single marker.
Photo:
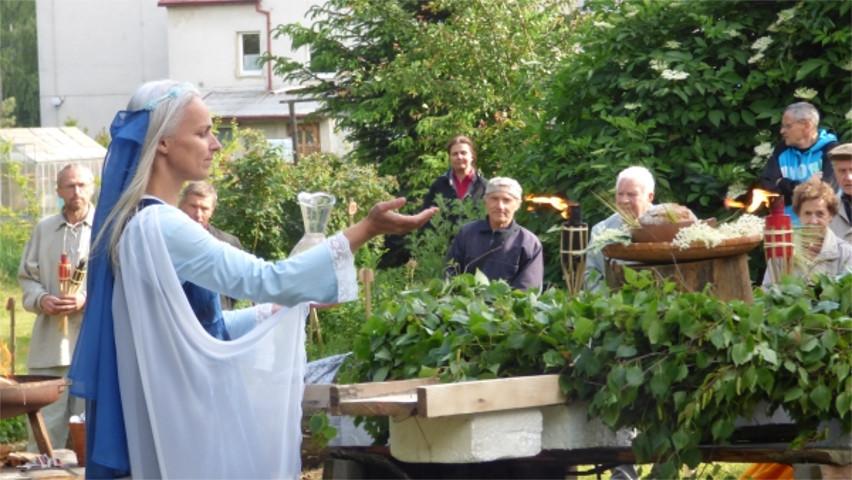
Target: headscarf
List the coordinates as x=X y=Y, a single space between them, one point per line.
x=93 y=370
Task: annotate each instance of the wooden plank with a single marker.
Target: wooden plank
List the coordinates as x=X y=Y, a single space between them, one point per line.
x=396 y=405
x=488 y=395
x=376 y=389
x=316 y=398
x=40 y=433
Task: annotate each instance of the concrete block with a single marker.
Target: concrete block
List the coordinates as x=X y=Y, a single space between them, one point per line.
x=567 y=427
x=470 y=438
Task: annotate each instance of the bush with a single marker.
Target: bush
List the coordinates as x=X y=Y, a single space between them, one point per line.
x=257 y=192
x=688 y=89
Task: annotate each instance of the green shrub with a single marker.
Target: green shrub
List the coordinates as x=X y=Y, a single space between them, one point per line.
x=257 y=192
x=687 y=89
x=678 y=367
x=13 y=429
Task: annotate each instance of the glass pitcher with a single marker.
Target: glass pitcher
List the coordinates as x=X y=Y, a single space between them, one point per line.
x=316 y=209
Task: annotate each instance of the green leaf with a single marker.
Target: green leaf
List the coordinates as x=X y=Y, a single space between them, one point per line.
x=793 y=394
x=583 y=329
x=809 y=66
x=634 y=376
x=741 y=353
x=821 y=396
x=380 y=374
x=625 y=351
x=715 y=117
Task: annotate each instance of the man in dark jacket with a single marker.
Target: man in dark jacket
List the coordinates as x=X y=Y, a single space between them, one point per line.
x=800 y=155
x=498 y=246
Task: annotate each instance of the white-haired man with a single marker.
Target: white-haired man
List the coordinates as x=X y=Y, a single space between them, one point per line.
x=841 y=161
x=52 y=346
x=634 y=194
x=801 y=153
x=498 y=246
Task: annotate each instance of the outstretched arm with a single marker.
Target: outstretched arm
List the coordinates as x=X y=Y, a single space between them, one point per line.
x=383 y=220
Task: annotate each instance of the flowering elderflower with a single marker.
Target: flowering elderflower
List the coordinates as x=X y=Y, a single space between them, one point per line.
x=761 y=44
x=674 y=74
x=785 y=15
x=601 y=24
x=805 y=93
x=848 y=115
x=756 y=58
x=672 y=44
x=763 y=150
x=658 y=65
x=632 y=106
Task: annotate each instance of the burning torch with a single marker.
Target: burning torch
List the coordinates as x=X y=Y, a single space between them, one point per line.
x=572 y=249
x=778 y=240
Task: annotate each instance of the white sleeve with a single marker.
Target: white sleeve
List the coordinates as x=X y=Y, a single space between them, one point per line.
x=323 y=274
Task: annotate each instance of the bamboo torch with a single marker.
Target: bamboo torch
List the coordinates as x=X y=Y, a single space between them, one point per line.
x=572 y=249
x=778 y=240
x=64 y=286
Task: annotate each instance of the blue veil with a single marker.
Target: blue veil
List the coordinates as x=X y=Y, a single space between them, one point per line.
x=93 y=370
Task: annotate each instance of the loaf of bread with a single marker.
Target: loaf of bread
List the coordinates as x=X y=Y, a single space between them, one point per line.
x=666 y=213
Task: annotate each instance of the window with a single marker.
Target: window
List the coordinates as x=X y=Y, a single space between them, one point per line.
x=249 y=43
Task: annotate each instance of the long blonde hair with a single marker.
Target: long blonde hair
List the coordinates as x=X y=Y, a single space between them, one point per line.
x=166 y=100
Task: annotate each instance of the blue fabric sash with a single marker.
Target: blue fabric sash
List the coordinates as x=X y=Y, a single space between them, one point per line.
x=94 y=370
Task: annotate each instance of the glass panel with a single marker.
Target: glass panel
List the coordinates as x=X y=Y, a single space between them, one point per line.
x=251 y=52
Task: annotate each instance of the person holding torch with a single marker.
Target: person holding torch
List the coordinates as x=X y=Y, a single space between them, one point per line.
x=47 y=276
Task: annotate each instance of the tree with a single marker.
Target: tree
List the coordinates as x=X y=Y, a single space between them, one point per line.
x=692 y=90
x=410 y=74
x=19 y=59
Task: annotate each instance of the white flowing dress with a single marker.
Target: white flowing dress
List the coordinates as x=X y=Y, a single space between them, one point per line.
x=195 y=406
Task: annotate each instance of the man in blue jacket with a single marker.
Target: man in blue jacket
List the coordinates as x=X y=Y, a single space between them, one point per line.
x=800 y=155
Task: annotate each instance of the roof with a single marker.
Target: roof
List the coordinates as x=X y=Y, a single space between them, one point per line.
x=51 y=144
x=192 y=3
x=255 y=104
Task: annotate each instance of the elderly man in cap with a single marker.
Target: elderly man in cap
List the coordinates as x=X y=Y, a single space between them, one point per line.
x=498 y=246
x=841 y=160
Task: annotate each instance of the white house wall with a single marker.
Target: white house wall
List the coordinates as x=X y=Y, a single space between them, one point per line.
x=203 y=45
x=93 y=54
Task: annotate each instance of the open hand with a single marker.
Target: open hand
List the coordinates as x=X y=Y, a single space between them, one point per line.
x=383 y=220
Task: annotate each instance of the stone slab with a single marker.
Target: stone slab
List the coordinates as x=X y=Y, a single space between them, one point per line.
x=568 y=427
x=471 y=438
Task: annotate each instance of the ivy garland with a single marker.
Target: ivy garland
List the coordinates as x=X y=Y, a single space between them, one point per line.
x=678 y=367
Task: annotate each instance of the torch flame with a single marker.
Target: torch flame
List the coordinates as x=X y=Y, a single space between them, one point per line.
x=758 y=197
x=557 y=203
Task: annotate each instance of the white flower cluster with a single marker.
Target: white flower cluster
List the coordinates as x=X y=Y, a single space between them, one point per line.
x=674 y=74
x=848 y=115
x=763 y=150
x=632 y=106
x=700 y=232
x=672 y=44
x=608 y=236
x=732 y=33
x=847 y=66
x=805 y=93
x=601 y=24
x=760 y=45
x=658 y=65
x=783 y=16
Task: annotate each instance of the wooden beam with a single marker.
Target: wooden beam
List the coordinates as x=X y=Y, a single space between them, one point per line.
x=376 y=389
x=317 y=398
x=397 y=405
x=488 y=395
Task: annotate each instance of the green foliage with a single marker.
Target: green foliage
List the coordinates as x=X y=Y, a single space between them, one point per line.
x=678 y=367
x=688 y=89
x=257 y=192
x=15 y=225
x=429 y=246
x=19 y=60
x=7 y=112
x=13 y=429
x=411 y=74
x=321 y=431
